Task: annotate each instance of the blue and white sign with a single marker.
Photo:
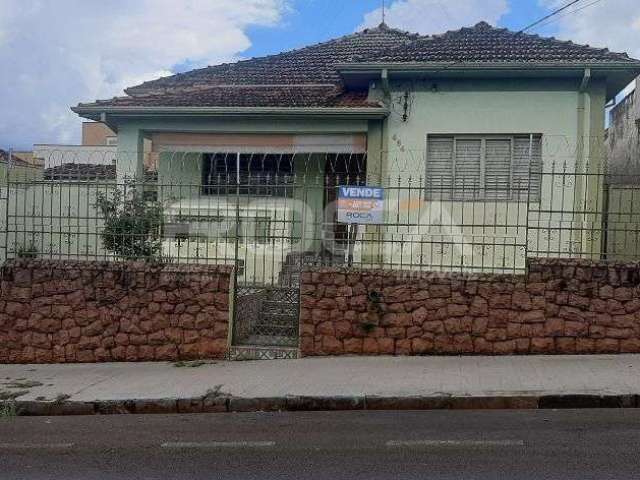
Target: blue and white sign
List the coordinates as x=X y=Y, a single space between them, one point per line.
x=360 y=205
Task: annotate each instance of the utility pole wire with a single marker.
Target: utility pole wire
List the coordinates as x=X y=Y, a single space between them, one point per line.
x=555 y=12
x=537 y=22
x=566 y=14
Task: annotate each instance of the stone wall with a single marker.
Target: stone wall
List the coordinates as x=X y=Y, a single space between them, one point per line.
x=560 y=306
x=61 y=311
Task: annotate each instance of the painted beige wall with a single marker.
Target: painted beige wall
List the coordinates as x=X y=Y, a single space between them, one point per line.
x=95 y=133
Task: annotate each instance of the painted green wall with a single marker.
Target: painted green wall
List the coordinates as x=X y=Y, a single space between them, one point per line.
x=19 y=173
x=554 y=109
x=623 y=225
x=55 y=219
x=571 y=123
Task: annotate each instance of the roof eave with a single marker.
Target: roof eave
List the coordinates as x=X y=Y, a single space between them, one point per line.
x=436 y=67
x=98 y=111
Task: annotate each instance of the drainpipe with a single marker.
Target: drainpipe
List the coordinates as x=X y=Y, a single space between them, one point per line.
x=586 y=78
x=384 y=77
x=582 y=93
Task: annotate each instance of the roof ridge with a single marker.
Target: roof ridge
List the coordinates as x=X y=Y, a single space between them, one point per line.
x=382 y=28
x=485 y=27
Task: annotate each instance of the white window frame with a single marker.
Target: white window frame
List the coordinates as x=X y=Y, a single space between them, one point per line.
x=511 y=196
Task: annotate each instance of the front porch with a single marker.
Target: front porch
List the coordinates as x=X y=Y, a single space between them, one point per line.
x=264 y=203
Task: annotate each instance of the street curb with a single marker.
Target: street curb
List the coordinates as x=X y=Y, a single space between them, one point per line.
x=224 y=403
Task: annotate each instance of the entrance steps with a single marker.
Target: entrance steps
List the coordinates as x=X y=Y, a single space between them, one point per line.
x=256 y=352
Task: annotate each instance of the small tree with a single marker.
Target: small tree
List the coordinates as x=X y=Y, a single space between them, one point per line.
x=132 y=224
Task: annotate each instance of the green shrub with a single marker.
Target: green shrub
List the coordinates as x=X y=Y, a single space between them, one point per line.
x=132 y=224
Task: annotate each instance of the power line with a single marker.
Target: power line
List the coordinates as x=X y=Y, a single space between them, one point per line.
x=549 y=22
x=555 y=12
x=537 y=22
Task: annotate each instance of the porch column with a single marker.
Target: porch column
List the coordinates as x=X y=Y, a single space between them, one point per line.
x=130 y=159
x=590 y=168
x=373 y=252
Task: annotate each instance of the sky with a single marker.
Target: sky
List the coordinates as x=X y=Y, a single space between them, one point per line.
x=57 y=53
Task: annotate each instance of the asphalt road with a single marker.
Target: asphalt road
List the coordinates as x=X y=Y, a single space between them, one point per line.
x=567 y=444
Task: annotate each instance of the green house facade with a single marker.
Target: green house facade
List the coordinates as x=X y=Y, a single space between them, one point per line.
x=480 y=136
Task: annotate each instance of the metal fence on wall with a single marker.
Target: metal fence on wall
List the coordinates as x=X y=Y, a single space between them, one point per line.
x=273 y=213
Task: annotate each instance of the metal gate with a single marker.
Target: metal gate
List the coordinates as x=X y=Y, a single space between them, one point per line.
x=266 y=300
x=266 y=316
x=266 y=306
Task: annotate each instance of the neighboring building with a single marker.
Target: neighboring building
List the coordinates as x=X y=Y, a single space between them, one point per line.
x=623 y=155
x=18 y=166
x=623 y=137
x=97 y=133
x=99 y=147
x=459 y=127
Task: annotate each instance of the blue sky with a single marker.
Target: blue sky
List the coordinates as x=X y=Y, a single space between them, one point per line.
x=313 y=21
x=89 y=55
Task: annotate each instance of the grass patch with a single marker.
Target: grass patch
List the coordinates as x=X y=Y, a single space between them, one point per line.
x=11 y=395
x=192 y=363
x=8 y=409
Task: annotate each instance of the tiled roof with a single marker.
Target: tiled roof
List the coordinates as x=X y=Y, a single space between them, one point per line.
x=250 y=96
x=308 y=65
x=483 y=43
x=87 y=171
x=15 y=160
x=80 y=171
x=307 y=77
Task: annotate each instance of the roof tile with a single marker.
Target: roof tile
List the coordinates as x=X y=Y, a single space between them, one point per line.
x=307 y=77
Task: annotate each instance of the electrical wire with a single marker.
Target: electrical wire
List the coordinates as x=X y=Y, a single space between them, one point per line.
x=552 y=14
x=528 y=27
x=566 y=14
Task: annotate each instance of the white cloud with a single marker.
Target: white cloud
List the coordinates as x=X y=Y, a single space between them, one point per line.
x=615 y=25
x=437 y=16
x=602 y=24
x=56 y=54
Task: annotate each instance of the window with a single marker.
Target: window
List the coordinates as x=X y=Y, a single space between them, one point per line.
x=258 y=174
x=493 y=167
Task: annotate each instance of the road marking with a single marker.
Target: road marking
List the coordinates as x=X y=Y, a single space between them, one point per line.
x=204 y=445
x=34 y=446
x=454 y=443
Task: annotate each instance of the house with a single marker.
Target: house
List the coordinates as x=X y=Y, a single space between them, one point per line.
x=488 y=143
x=623 y=134
x=19 y=166
x=97 y=133
x=98 y=147
x=622 y=146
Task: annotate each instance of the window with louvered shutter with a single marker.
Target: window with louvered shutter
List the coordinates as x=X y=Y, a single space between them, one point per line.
x=527 y=167
x=504 y=167
x=467 y=168
x=439 y=176
x=497 y=169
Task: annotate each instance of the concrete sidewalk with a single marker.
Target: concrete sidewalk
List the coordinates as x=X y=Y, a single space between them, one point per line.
x=326 y=383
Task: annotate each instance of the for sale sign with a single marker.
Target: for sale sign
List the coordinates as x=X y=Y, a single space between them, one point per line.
x=360 y=205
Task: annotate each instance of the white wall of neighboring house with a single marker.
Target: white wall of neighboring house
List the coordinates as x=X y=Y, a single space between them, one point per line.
x=54 y=155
